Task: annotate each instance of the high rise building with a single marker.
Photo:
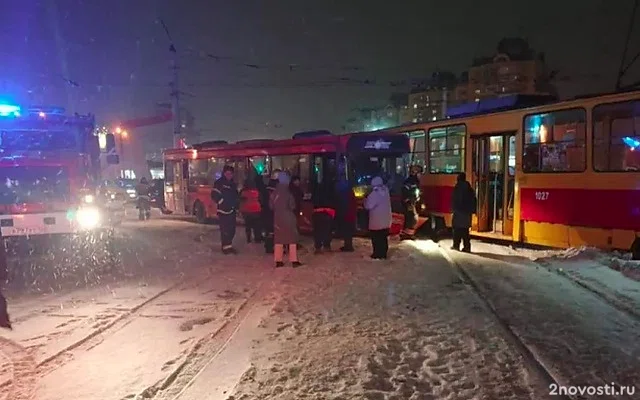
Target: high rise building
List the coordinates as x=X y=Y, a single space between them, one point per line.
x=515 y=68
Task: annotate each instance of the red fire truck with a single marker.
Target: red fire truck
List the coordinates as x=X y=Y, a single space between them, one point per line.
x=50 y=173
x=189 y=173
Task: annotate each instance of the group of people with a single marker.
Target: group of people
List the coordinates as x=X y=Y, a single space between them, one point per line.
x=271 y=206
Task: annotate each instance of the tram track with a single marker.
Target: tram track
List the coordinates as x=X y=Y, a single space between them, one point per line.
x=208 y=349
x=526 y=352
x=17 y=371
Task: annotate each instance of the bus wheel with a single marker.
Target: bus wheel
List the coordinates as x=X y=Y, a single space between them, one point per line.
x=635 y=249
x=437 y=227
x=198 y=210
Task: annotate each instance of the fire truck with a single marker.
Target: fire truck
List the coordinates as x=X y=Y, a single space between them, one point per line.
x=50 y=174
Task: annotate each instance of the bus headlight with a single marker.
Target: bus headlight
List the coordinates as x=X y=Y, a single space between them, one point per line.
x=88 y=217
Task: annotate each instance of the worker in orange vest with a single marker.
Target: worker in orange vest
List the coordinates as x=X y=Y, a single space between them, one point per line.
x=251 y=209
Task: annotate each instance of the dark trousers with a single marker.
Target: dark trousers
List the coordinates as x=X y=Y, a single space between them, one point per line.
x=348 y=230
x=461 y=235
x=322 y=224
x=227 y=229
x=252 y=224
x=379 y=242
x=267 y=228
x=4 y=313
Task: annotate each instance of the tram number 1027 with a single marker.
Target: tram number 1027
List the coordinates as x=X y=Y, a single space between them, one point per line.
x=541 y=196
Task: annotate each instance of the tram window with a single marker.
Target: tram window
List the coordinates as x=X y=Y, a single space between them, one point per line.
x=241 y=172
x=418 y=143
x=616 y=137
x=555 y=141
x=446 y=149
x=324 y=167
x=287 y=163
x=216 y=165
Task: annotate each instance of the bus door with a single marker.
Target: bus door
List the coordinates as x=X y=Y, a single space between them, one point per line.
x=493 y=179
x=176 y=182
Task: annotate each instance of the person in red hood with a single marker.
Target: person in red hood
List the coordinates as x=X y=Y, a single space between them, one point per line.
x=250 y=208
x=4 y=275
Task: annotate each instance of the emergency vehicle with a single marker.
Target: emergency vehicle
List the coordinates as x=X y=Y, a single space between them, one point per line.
x=50 y=173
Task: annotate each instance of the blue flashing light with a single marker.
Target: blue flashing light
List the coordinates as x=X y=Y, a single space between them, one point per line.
x=631 y=142
x=9 y=110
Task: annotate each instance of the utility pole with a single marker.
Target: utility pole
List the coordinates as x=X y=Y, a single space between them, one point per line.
x=175 y=91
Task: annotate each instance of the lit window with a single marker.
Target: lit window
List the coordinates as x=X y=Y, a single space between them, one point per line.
x=434 y=118
x=415 y=120
x=415 y=105
x=477 y=99
x=477 y=91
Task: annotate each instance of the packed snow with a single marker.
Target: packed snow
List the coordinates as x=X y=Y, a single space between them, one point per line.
x=177 y=320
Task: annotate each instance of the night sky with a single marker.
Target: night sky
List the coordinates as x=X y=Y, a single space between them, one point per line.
x=111 y=57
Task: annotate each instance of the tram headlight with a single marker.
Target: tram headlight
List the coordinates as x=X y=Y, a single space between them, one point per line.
x=88 y=217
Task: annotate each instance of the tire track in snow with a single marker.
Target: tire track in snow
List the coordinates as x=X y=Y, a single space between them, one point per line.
x=528 y=354
x=17 y=372
x=59 y=358
x=208 y=349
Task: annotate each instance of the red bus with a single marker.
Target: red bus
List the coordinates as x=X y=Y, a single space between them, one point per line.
x=189 y=173
x=561 y=175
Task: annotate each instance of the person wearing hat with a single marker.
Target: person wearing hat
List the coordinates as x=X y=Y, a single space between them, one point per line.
x=378 y=203
x=225 y=195
x=285 y=222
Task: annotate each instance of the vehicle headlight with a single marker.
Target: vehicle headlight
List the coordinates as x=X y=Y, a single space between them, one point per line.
x=88 y=217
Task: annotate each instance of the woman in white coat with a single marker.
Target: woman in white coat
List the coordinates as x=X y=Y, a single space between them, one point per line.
x=378 y=202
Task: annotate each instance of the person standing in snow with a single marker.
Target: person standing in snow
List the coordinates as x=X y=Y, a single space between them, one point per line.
x=250 y=209
x=378 y=203
x=410 y=197
x=297 y=193
x=267 y=212
x=347 y=212
x=225 y=195
x=324 y=211
x=4 y=275
x=463 y=204
x=285 y=222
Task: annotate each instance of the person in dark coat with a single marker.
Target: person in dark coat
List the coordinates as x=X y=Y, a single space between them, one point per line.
x=346 y=214
x=267 y=212
x=4 y=275
x=410 y=197
x=251 y=209
x=324 y=211
x=298 y=194
x=225 y=195
x=463 y=204
x=285 y=222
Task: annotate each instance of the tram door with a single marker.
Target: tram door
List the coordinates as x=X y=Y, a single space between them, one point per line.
x=494 y=181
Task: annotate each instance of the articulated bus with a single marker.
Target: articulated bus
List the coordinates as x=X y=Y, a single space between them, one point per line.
x=189 y=173
x=560 y=175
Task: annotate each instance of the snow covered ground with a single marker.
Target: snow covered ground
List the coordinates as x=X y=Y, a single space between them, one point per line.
x=580 y=339
x=178 y=320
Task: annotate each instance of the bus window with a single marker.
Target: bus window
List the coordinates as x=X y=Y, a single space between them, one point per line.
x=305 y=171
x=446 y=149
x=199 y=172
x=392 y=169
x=216 y=165
x=241 y=173
x=555 y=141
x=289 y=163
x=616 y=137
x=324 y=167
x=260 y=164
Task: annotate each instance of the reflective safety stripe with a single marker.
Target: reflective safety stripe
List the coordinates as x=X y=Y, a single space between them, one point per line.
x=227 y=247
x=217 y=190
x=220 y=201
x=225 y=212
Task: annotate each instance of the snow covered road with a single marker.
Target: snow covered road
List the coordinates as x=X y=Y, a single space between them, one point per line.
x=177 y=321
